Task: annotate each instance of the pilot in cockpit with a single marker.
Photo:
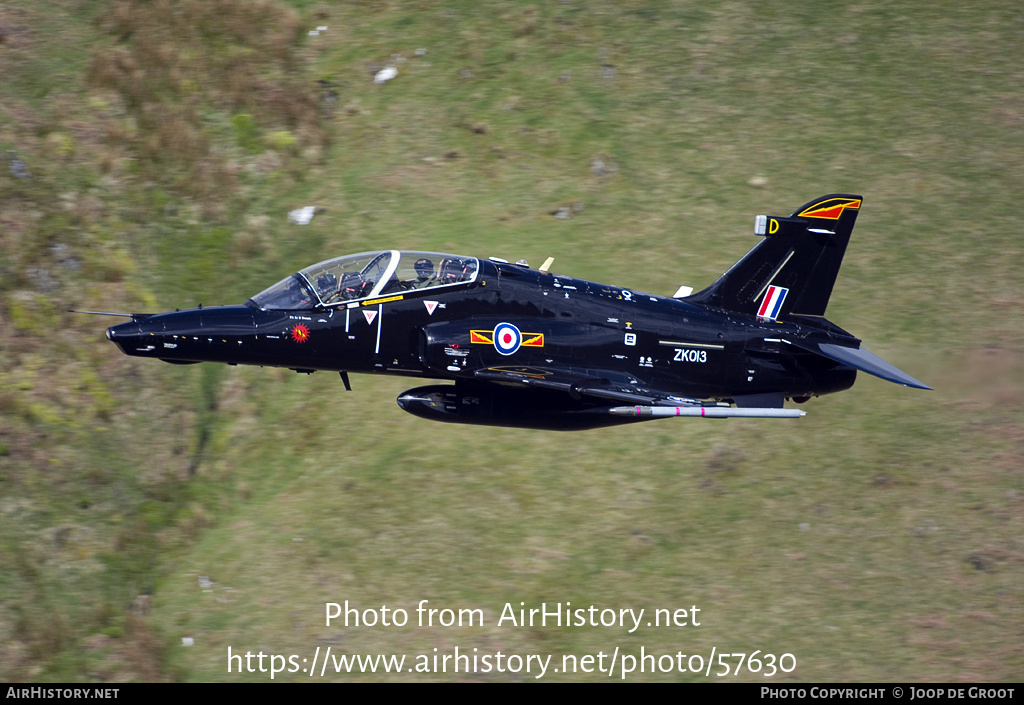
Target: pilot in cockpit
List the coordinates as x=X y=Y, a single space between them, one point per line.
x=425 y=276
x=326 y=286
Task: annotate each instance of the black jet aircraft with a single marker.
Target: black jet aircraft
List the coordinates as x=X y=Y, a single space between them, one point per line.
x=524 y=347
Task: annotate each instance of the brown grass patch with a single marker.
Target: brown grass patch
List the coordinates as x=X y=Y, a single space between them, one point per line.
x=993 y=376
x=178 y=60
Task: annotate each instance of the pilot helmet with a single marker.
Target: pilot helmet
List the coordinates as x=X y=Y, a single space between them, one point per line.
x=327 y=283
x=424 y=268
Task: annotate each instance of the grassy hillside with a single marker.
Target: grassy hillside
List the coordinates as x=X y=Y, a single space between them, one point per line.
x=878 y=538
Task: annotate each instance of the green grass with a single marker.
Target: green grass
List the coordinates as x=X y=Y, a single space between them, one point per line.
x=878 y=538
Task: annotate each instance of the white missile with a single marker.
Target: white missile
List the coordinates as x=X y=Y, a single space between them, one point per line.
x=710 y=412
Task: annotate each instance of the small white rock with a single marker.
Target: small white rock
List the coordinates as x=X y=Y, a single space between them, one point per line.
x=187 y=641
x=302 y=216
x=385 y=74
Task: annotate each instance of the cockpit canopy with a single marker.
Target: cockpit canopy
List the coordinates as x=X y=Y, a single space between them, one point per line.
x=367 y=275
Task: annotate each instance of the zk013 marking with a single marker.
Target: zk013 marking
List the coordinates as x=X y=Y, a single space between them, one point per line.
x=690 y=355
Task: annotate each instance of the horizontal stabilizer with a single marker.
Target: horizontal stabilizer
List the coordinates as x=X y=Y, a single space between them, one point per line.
x=864 y=361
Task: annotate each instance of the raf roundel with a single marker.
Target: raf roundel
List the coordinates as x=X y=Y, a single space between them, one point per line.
x=507 y=338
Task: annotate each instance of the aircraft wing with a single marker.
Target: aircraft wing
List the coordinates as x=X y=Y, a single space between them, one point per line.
x=577 y=383
x=642 y=401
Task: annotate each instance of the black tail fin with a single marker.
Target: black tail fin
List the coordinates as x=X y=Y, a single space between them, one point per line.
x=793 y=270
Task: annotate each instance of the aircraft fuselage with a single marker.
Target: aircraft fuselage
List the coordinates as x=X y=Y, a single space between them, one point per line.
x=528 y=348
x=573 y=324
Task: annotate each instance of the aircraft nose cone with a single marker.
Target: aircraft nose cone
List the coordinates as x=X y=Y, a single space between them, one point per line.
x=139 y=336
x=126 y=336
x=123 y=334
